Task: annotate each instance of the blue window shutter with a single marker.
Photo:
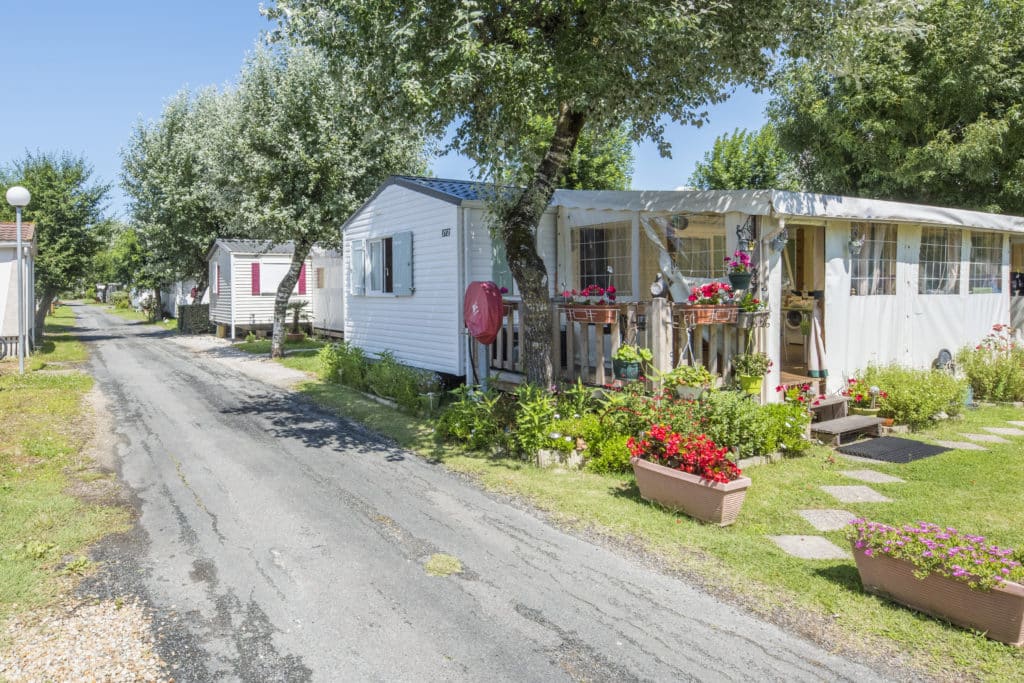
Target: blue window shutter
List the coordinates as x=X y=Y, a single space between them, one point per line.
x=500 y=273
x=401 y=263
x=357 y=268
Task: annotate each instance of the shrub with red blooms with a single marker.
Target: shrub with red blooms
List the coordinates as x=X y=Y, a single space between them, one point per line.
x=695 y=454
x=939 y=550
x=861 y=395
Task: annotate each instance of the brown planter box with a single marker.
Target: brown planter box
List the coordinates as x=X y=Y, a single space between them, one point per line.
x=699 y=498
x=998 y=612
x=709 y=315
x=601 y=315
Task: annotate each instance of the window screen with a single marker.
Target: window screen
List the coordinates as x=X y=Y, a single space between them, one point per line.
x=986 y=263
x=939 y=261
x=873 y=270
x=701 y=256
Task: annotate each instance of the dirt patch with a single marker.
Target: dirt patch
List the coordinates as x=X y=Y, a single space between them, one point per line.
x=94 y=478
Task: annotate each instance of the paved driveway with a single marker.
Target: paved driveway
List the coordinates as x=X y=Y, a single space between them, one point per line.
x=277 y=542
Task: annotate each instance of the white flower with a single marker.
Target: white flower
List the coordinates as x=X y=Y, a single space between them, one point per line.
x=557 y=416
x=555 y=435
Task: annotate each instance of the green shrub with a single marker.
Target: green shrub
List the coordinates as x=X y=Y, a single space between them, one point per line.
x=120 y=299
x=576 y=400
x=995 y=367
x=730 y=418
x=328 y=362
x=388 y=378
x=915 y=397
x=473 y=419
x=785 y=425
x=534 y=417
x=609 y=455
x=567 y=433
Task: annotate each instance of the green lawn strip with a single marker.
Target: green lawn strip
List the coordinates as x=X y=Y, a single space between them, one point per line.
x=139 y=317
x=972 y=490
x=263 y=346
x=41 y=524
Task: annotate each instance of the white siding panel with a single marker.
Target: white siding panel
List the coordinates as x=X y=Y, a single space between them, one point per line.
x=423 y=329
x=220 y=302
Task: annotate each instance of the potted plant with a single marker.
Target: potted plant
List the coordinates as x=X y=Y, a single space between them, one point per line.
x=687 y=473
x=598 y=305
x=943 y=572
x=627 y=359
x=710 y=304
x=750 y=369
x=753 y=312
x=690 y=381
x=298 y=311
x=863 y=398
x=739 y=269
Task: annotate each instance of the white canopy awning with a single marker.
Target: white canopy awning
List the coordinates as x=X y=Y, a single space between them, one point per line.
x=783 y=204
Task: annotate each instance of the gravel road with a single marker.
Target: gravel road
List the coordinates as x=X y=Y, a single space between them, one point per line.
x=276 y=542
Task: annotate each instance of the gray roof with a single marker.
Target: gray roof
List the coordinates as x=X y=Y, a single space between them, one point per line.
x=454 y=191
x=254 y=247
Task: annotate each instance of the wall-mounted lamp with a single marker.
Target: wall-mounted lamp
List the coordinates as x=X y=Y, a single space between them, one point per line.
x=780 y=240
x=856 y=242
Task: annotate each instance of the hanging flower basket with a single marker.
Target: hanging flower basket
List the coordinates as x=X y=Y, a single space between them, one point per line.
x=740 y=280
x=595 y=315
x=699 y=314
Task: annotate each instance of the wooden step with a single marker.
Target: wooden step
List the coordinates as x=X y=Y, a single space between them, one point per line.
x=839 y=431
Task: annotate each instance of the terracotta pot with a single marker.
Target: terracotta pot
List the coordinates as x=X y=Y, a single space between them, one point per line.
x=888 y=421
x=999 y=612
x=692 y=314
x=699 y=498
x=601 y=315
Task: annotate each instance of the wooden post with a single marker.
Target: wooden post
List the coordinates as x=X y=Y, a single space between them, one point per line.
x=660 y=333
x=556 y=342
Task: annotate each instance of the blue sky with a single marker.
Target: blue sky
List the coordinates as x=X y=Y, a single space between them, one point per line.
x=77 y=76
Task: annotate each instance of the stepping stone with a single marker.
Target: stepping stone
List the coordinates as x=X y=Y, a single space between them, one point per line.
x=810 y=547
x=827 y=520
x=857 y=458
x=1018 y=423
x=962 y=445
x=872 y=476
x=986 y=438
x=1005 y=431
x=855 y=494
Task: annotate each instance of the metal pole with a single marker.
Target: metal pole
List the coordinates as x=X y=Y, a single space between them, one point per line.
x=21 y=297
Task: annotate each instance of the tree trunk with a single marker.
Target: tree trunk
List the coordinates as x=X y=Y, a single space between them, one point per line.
x=284 y=292
x=159 y=304
x=42 y=309
x=519 y=232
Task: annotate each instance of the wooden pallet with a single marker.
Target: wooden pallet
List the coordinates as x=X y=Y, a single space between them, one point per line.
x=840 y=430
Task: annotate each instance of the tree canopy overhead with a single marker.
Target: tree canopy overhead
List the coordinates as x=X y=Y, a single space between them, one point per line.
x=491 y=67
x=934 y=115
x=746 y=160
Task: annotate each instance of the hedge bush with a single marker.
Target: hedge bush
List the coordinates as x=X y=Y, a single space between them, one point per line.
x=916 y=397
x=995 y=367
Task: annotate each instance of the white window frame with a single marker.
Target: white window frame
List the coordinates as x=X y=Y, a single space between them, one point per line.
x=622 y=264
x=985 y=283
x=951 y=244
x=379 y=270
x=867 y=233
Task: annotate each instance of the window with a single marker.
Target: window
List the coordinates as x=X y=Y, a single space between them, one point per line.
x=604 y=254
x=319 y=278
x=701 y=256
x=986 y=269
x=390 y=264
x=873 y=270
x=939 y=261
x=215 y=278
x=270 y=276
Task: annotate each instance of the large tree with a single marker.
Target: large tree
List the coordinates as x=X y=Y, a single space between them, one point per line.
x=66 y=205
x=746 y=160
x=936 y=116
x=492 y=66
x=301 y=150
x=166 y=177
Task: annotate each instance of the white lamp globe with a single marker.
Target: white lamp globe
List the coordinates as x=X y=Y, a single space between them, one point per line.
x=18 y=196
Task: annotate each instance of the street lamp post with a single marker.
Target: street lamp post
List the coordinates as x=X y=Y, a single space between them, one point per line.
x=19 y=197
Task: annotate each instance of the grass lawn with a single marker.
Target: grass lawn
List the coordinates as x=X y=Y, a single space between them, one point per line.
x=975 y=491
x=308 y=346
x=42 y=526
x=138 y=316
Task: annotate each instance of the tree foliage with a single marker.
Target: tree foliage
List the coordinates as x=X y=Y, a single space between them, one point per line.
x=934 y=115
x=300 y=150
x=66 y=205
x=167 y=177
x=491 y=67
x=601 y=160
x=746 y=160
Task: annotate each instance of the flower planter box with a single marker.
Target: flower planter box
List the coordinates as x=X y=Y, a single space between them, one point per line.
x=998 y=612
x=694 y=314
x=599 y=315
x=699 y=498
x=748 y=319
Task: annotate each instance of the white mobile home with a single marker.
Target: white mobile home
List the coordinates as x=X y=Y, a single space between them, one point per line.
x=244 y=276
x=409 y=253
x=9 y=283
x=328 y=280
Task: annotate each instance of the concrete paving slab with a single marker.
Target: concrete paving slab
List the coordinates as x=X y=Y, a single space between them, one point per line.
x=872 y=476
x=827 y=520
x=1018 y=423
x=1005 y=431
x=962 y=445
x=985 y=438
x=810 y=547
x=857 y=458
x=855 y=494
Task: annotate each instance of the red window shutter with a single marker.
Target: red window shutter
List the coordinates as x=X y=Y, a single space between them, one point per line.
x=302 y=279
x=256 y=278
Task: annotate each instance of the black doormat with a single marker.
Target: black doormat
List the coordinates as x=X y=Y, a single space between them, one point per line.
x=892 y=449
